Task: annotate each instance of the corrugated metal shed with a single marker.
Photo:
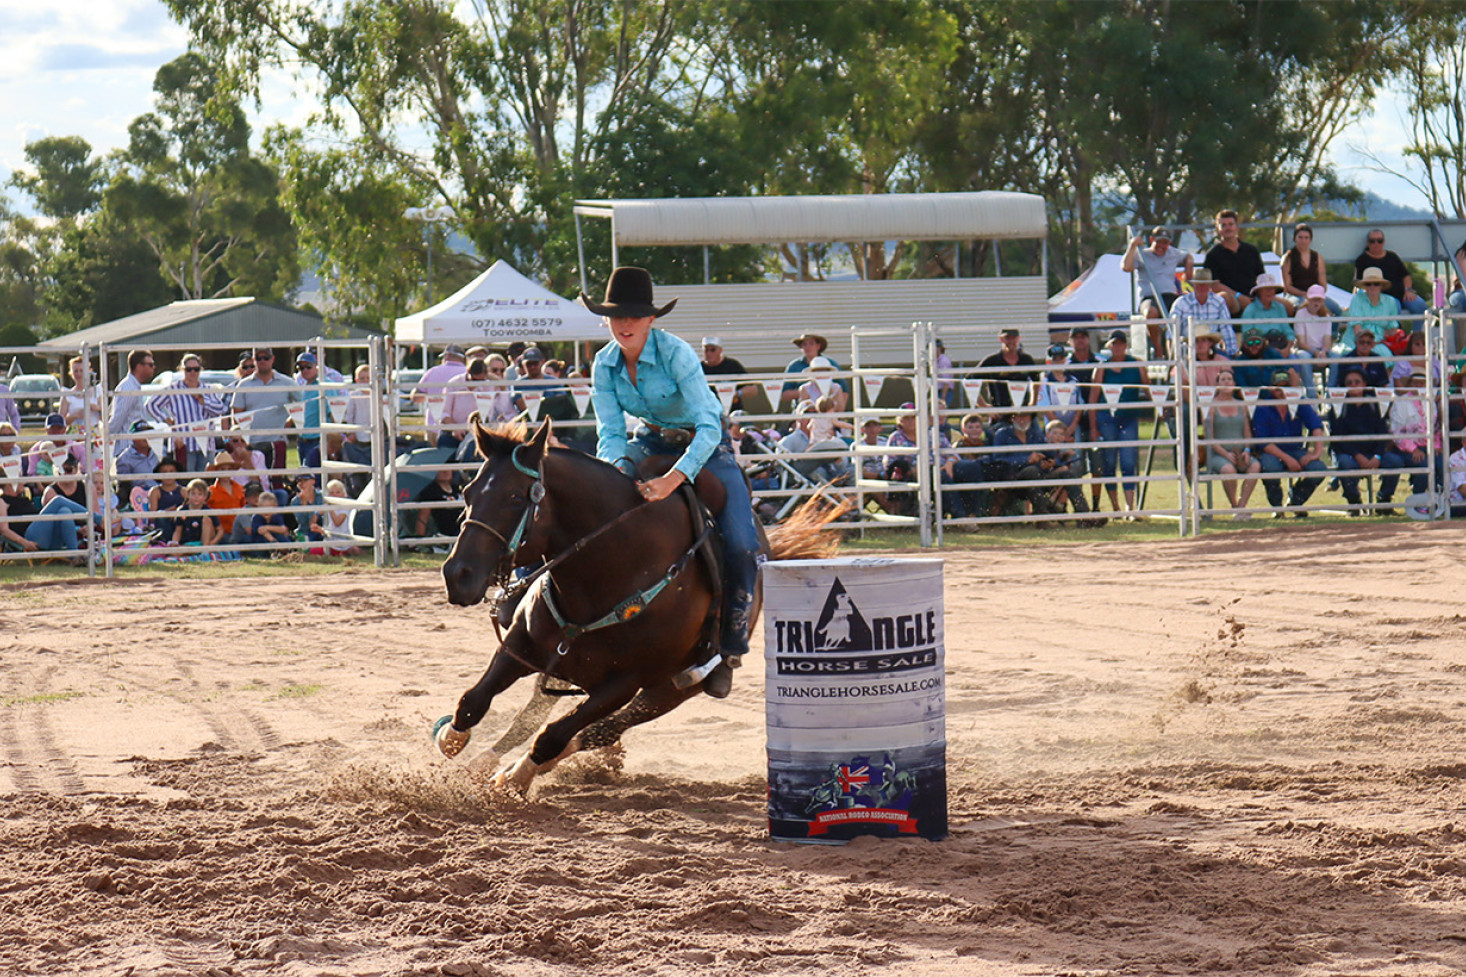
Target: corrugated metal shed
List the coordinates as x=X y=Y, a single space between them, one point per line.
x=246 y=320
x=757 y=322
x=987 y=214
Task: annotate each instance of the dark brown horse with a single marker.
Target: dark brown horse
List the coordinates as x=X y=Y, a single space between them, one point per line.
x=624 y=608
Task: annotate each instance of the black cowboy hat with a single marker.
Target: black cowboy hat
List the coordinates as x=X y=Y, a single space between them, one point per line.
x=628 y=295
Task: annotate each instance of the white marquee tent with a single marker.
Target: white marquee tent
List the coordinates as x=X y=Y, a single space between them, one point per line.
x=500 y=306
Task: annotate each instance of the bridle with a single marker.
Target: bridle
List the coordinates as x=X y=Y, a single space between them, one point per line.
x=513 y=543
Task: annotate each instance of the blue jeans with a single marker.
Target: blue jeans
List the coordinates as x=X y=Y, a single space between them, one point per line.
x=966 y=502
x=737 y=527
x=1413 y=306
x=60 y=534
x=1389 y=464
x=1119 y=427
x=1302 y=487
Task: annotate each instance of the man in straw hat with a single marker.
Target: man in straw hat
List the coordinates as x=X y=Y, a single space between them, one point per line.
x=1202 y=304
x=657 y=378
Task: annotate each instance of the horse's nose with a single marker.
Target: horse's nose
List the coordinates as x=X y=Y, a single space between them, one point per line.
x=464 y=583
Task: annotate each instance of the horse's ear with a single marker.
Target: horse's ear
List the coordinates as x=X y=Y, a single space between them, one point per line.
x=480 y=435
x=537 y=444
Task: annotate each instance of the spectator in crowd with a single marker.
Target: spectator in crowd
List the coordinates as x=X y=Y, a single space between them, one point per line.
x=434 y=384
x=443 y=488
x=902 y=467
x=810 y=346
x=187 y=401
x=1399 y=285
x=106 y=507
x=1457 y=477
x=1082 y=364
x=1022 y=444
x=167 y=495
x=1011 y=360
x=1371 y=302
x=265 y=395
x=1234 y=263
x=825 y=427
x=194 y=525
x=56 y=437
x=82 y=395
x=9 y=406
x=1413 y=436
x=356 y=446
x=21 y=532
x=10 y=444
x=1060 y=394
x=1121 y=422
x=821 y=383
x=1257 y=362
x=1291 y=441
x=134 y=467
x=1414 y=361
x=1456 y=302
x=323 y=372
x=1228 y=429
x=468 y=395
x=1203 y=304
x=1313 y=332
x=66 y=481
x=716 y=364
x=1063 y=463
x=1365 y=355
x=338 y=521
x=1358 y=417
x=1158 y=266
x=946 y=372
x=1266 y=304
x=308 y=523
x=267 y=525
x=538 y=399
x=969 y=468
x=251 y=466
x=308 y=444
x=1302 y=267
x=128 y=404
x=225 y=493
x=799 y=440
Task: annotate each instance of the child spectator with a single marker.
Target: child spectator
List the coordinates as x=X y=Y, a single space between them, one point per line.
x=195 y=527
x=823 y=427
x=337 y=521
x=308 y=524
x=225 y=493
x=445 y=520
x=267 y=525
x=167 y=495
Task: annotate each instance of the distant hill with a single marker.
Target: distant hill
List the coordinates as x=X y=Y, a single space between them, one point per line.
x=1375 y=207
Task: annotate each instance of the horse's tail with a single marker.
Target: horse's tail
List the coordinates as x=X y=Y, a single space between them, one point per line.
x=806 y=535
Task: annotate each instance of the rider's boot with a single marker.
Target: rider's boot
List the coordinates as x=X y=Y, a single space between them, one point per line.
x=720 y=680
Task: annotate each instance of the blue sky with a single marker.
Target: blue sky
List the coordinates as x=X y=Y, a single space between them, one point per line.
x=85 y=67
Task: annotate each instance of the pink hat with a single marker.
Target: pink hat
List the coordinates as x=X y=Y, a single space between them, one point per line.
x=1317 y=292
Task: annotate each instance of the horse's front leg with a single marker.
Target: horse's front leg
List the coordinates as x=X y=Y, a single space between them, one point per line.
x=503 y=671
x=557 y=740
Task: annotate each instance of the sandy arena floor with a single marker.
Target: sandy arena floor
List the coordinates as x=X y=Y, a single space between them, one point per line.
x=1244 y=754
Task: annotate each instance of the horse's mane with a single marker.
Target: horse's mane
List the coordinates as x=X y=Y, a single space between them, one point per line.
x=504 y=438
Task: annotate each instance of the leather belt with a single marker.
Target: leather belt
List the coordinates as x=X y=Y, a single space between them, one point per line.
x=677 y=437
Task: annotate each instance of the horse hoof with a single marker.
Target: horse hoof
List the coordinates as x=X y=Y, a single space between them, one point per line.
x=449 y=740
x=518 y=776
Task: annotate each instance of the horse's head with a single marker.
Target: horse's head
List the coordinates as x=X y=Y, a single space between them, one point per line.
x=500 y=509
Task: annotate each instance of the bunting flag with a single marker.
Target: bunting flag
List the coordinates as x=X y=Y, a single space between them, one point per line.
x=1205 y=395
x=1112 y=392
x=1018 y=390
x=1160 y=393
x=1385 y=393
x=244 y=420
x=337 y=405
x=1249 y=394
x=1292 y=394
x=973 y=388
x=771 y=390
x=58 y=454
x=873 y=388
x=486 y=404
x=296 y=410
x=581 y=392
x=196 y=432
x=435 y=405
x=531 y=400
x=1064 y=392
x=10 y=465
x=824 y=385
x=725 y=389
x=1336 y=394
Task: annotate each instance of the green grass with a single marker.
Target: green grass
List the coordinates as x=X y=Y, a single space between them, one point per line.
x=297 y=691
x=42 y=698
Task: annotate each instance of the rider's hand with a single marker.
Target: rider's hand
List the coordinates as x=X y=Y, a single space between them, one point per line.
x=662 y=486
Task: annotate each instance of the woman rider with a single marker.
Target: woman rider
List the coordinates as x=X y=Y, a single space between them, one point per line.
x=657 y=378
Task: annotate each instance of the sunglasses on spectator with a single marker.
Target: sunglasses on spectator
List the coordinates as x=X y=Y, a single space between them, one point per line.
x=1376 y=240
x=264 y=356
x=1374 y=284
x=192 y=369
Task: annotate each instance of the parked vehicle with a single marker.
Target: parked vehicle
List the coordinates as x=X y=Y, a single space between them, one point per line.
x=37 y=395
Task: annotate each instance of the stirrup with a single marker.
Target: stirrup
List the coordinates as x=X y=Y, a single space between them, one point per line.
x=694 y=674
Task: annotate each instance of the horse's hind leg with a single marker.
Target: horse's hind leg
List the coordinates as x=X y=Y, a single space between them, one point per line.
x=528 y=719
x=502 y=672
x=648 y=705
x=557 y=740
